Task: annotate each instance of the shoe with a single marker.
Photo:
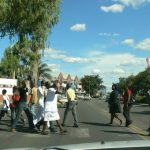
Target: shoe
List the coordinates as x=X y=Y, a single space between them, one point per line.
x=120 y=122
x=76 y=126
x=38 y=127
x=63 y=131
x=110 y=123
x=128 y=123
x=53 y=130
x=63 y=125
x=32 y=130
x=44 y=133
x=12 y=130
x=148 y=130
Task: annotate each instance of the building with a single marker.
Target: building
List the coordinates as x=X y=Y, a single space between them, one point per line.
x=64 y=79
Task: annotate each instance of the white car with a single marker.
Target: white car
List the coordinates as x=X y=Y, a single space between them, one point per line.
x=63 y=100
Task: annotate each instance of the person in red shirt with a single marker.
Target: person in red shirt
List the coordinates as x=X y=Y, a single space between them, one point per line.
x=127 y=105
x=14 y=103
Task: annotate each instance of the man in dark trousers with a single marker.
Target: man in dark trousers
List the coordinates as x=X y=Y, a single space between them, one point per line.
x=23 y=106
x=127 y=105
x=71 y=105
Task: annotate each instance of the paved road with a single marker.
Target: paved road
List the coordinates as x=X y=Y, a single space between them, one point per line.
x=93 y=117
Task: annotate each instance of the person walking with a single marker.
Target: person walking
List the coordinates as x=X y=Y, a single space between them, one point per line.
x=51 y=110
x=71 y=105
x=6 y=104
x=127 y=105
x=38 y=118
x=14 y=103
x=114 y=105
x=23 y=90
x=34 y=98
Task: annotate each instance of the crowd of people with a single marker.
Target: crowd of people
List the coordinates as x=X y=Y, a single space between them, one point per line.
x=45 y=97
x=41 y=109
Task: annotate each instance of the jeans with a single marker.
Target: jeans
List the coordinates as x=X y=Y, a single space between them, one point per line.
x=74 y=113
x=32 y=109
x=23 y=106
x=13 y=114
x=126 y=112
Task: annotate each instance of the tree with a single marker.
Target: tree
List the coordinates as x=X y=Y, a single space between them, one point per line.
x=44 y=71
x=17 y=63
x=91 y=84
x=139 y=82
x=125 y=81
x=9 y=64
x=142 y=81
x=32 y=20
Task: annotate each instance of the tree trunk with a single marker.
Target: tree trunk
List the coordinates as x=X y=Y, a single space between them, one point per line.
x=34 y=72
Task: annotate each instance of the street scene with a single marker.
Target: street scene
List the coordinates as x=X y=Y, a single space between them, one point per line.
x=94 y=127
x=74 y=74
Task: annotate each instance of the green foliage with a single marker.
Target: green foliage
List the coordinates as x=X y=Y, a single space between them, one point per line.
x=91 y=84
x=33 y=18
x=9 y=64
x=125 y=81
x=140 y=82
x=31 y=21
x=44 y=71
x=140 y=99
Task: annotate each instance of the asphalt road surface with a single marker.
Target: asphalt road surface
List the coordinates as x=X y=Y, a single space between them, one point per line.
x=93 y=118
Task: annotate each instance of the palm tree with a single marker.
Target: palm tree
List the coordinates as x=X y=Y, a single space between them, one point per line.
x=44 y=71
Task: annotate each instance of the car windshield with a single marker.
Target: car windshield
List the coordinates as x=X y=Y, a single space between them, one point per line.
x=74 y=74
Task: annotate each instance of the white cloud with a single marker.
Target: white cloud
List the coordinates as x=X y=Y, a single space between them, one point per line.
x=78 y=27
x=130 y=62
x=115 y=8
x=118 y=71
x=108 y=34
x=54 y=54
x=115 y=34
x=96 y=71
x=95 y=53
x=109 y=66
x=61 y=55
x=129 y=42
x=113 y=66
x=75 y=60
x=133 y=3
x=143 y=45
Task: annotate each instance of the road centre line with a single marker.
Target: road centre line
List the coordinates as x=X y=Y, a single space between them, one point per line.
x=133 y=129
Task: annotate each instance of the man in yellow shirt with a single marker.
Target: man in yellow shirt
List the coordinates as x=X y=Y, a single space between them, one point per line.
x=71 y=105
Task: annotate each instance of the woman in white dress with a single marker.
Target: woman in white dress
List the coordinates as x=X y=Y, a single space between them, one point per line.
x=38 y=118
x=50 y=109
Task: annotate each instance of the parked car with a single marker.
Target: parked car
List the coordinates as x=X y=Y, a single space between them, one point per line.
x=63 y=99
x=87 y=97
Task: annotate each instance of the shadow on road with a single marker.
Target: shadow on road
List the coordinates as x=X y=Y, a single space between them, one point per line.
x=141 y=105
x=121 y=132
x=142 y=113
x=96 y=123
x=5 y=123
x=4 y=130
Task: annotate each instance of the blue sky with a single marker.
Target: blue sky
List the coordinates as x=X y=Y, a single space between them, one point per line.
x=106 y=37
